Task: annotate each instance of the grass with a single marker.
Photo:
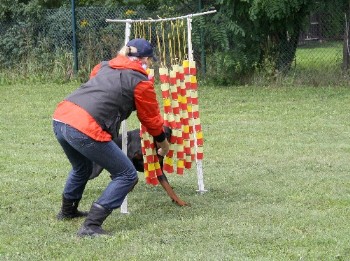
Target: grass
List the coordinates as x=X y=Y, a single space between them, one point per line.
x=319 y=55
x=276 y=168
x=317 y=64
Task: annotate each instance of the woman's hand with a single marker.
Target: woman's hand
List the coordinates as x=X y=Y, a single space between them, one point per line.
x=163 y=147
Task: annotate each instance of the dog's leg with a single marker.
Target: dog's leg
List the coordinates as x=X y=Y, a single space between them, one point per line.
x=135 y=155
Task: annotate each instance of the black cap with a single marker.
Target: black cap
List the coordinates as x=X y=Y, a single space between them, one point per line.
x=144 y=48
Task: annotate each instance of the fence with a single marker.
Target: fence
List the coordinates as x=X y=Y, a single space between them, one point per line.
x=325 y=32
x=48 y=40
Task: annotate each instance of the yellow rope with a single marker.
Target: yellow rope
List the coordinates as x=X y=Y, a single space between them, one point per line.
x=159 y=49
x=178 y=40
x=137 y=29
x=163 y=35
x=150 y=32
x=140 y=30
x=143 y=31
x=170 y=49
x=184 y=40
x=172 y=25
x=176 y=45
x=134 y=30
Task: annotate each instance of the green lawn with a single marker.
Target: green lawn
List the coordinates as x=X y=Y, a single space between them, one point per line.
x=318 y=56
x=276 y=168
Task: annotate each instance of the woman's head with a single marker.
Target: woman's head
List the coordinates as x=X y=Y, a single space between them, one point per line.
x=139 y=48
x=142 y=48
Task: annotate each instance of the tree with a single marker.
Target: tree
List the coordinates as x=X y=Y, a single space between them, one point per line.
x=243 y=36
x=263 y=32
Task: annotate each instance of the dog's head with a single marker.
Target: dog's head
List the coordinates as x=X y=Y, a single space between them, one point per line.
x=134 y=151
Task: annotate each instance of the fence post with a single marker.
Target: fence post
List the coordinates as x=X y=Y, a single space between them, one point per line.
x=74 y=26
x=346 y=44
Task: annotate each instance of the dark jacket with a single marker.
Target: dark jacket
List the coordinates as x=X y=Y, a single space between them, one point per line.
x=115 y=89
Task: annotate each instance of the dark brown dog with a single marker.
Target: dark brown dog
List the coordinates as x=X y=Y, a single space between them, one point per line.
x=134 y=153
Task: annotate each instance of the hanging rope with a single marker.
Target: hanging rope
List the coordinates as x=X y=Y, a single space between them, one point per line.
x=134 y=30
x=150 y=32
x=180 y=98
x=159 y=49
x=143 y=31
x=184 y=40
x=170 y=49
x=178 y=40
x=163 y=38
x=172 y=26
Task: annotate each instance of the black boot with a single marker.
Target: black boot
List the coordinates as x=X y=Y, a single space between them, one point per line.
x=70 y=210
x=92 y=224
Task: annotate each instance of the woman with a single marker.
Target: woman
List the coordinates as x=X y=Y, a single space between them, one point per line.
x=86 y=121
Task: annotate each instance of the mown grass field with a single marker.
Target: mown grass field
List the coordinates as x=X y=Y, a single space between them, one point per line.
x=318 y=56
x=276 y=168
x=318 y=64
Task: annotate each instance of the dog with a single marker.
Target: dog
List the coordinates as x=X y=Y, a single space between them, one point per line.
x=134 y=153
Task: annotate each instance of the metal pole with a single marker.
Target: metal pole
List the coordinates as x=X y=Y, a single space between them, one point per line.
x=189 y=39
x=150 y=20
x=190 y=58
x=199 y=163
x=75 y=52
x=124 y=206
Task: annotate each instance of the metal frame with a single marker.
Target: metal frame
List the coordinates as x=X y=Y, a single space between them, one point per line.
x=128 y=24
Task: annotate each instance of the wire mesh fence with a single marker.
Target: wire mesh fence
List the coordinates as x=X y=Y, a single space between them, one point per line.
x=47 y=40
x=322 y=40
